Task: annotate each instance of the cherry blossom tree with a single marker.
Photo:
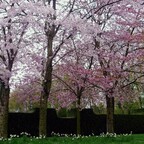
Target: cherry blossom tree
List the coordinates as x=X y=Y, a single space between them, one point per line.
x=40 y=17
x=16 y=18
x=118 y=54
x=73 y=89
x=117 y=49
x=107 y=36
x=26 y=94
x=12 y=30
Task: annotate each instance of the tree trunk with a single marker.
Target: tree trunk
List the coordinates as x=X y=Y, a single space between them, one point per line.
x=78 y=122
x=4 y=101
x=47 y=82
x=78 y=117
x=110 y=114
x=43 y=100
x=47 y=73
x=43 y=116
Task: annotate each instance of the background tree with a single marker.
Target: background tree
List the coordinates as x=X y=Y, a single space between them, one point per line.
x=117 y=54
x=25 y=96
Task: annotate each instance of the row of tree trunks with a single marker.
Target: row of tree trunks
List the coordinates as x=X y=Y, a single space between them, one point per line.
x=109 y=118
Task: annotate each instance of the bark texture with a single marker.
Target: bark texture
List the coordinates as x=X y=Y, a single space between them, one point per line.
x=110 y=114
x=4 y=101
x=47 y=82
x=44 y=97
x=78 y=116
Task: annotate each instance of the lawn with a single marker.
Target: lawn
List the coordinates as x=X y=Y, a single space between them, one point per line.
x=119 y=139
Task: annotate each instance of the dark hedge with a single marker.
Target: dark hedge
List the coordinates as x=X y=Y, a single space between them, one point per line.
x=90 y=123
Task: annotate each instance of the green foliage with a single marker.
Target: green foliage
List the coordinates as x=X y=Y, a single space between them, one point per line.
x=127 y=108
x=132 y=107
x=99 y=109
x=66 y=113
x=14 y=105
x=102 y=139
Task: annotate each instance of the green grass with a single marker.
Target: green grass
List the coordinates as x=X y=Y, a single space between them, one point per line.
x=129 y=139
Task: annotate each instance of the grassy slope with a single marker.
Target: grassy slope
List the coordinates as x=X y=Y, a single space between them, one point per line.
x=133 y=139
